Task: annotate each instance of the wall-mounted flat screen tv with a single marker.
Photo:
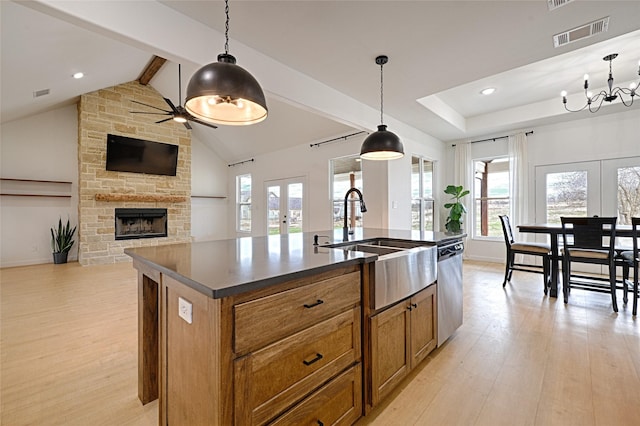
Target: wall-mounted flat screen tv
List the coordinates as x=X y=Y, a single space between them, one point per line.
x=139 y=156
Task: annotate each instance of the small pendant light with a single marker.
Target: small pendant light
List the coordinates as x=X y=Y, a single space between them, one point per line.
x=225 y=93
x=383 y=144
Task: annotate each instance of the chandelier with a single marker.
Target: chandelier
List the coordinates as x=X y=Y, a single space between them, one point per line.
x=595 y=102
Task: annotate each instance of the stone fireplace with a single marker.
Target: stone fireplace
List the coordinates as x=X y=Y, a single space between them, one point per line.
x=101 y=192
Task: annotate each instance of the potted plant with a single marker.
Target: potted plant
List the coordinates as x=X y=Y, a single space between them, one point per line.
x=454 y=221
x=61 y=241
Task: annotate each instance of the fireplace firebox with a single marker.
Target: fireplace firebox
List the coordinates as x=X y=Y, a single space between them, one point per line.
x=140 y=223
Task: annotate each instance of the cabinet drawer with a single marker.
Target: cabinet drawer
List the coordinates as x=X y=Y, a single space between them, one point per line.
x=265 y=320
x=337 y=403
x=274 y=378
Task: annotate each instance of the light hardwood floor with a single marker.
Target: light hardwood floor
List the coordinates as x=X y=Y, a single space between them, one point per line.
x=68 y=355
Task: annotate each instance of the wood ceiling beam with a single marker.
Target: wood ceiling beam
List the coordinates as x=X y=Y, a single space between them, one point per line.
x=151 y=69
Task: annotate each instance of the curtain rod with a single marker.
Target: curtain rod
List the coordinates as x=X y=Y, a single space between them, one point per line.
x=336 y=139
x=242 y=162
x=497 y=137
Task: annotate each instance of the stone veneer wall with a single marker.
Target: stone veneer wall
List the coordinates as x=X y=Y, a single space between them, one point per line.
x=108 y=111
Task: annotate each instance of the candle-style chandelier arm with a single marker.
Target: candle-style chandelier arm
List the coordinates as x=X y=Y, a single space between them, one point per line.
x=594 y=102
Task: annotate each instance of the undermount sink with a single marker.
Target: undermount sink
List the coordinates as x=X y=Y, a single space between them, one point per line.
x=402 y=269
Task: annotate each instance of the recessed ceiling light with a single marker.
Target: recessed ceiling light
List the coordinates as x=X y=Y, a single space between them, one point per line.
x=488 y=90
x=78 y=75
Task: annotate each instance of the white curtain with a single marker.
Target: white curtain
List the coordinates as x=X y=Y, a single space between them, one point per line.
x=462 y=175
x=518 y=177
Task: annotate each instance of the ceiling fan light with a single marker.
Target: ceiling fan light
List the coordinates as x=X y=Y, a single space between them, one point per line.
x=179 y=119
x=225 y=93
x=382 y=145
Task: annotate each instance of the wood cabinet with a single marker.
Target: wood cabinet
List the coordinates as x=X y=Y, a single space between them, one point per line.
x=282 y=354
x=401 y=337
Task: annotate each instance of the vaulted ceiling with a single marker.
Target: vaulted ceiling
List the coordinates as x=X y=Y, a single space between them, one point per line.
x=315 y=60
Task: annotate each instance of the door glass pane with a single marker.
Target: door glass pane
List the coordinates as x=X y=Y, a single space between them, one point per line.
x=415 y=177
x=415 y=215
x=294 y=219
x=244 y=217
x=273 y=203
x=566 y=195
x=628 y=194
x=427 y=180
x=428 y=215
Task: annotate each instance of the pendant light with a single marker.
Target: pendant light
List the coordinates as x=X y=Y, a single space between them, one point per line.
x=225 y=93
x=383 y=144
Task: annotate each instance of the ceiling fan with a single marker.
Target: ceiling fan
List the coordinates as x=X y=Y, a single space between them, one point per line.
x=177 y=113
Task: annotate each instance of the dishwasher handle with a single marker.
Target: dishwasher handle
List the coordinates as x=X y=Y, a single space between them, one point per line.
x=449 y=251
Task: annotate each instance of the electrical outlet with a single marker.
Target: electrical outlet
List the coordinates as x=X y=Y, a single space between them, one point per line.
x=185 y=310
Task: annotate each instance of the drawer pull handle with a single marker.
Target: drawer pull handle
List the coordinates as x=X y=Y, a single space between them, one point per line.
x=313 y=305
x=414 y=305
x=316 y=359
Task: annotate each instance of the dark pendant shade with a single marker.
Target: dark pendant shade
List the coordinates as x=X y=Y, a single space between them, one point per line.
x=225 y=93
x=382 y=145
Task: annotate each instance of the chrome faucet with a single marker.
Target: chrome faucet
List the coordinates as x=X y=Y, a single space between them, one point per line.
x=363 y=208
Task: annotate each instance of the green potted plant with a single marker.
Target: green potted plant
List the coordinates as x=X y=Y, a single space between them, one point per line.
x=61 y=241
x=454 y=221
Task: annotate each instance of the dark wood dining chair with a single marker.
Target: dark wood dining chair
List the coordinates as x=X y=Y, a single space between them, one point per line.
x=532 y=249
x=629 y=260
x=589 y=240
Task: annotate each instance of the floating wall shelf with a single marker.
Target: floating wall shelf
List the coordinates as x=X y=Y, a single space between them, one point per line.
x=35 y=188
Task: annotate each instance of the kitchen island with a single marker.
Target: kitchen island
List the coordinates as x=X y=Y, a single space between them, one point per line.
x=264 y=329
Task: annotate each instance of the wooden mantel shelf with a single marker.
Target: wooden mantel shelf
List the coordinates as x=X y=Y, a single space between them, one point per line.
x=142 y=198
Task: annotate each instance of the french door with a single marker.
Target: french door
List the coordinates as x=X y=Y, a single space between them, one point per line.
x=604 y=188
x=285 y=206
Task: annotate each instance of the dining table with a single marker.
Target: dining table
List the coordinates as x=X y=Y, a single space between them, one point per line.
x=554 y=230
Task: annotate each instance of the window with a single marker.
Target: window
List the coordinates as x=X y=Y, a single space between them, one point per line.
x=421 y=194
x=243 y=203
x=490 y=195
x=628 y=194
x=566 y=195
x=346 y=173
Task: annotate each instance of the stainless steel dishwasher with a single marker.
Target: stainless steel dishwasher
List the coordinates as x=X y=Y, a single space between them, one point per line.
x=449 y=289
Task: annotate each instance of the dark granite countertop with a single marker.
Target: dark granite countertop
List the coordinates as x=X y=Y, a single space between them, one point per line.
x=227 y=267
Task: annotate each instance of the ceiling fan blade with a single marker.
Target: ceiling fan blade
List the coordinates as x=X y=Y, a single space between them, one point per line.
x=166 y=119
x=187 y=125
x=152 y=113
x=204 y=123
x=173 y=107
x=150 y=106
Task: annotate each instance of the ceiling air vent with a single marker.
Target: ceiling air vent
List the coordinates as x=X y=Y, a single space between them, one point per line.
x=584 y=31
x=39 y=93
x=554 y=4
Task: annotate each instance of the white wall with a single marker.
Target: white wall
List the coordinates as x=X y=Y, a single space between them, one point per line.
x=597 y=137
x=42 y=147
x=386 y=184
x=208 y=178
